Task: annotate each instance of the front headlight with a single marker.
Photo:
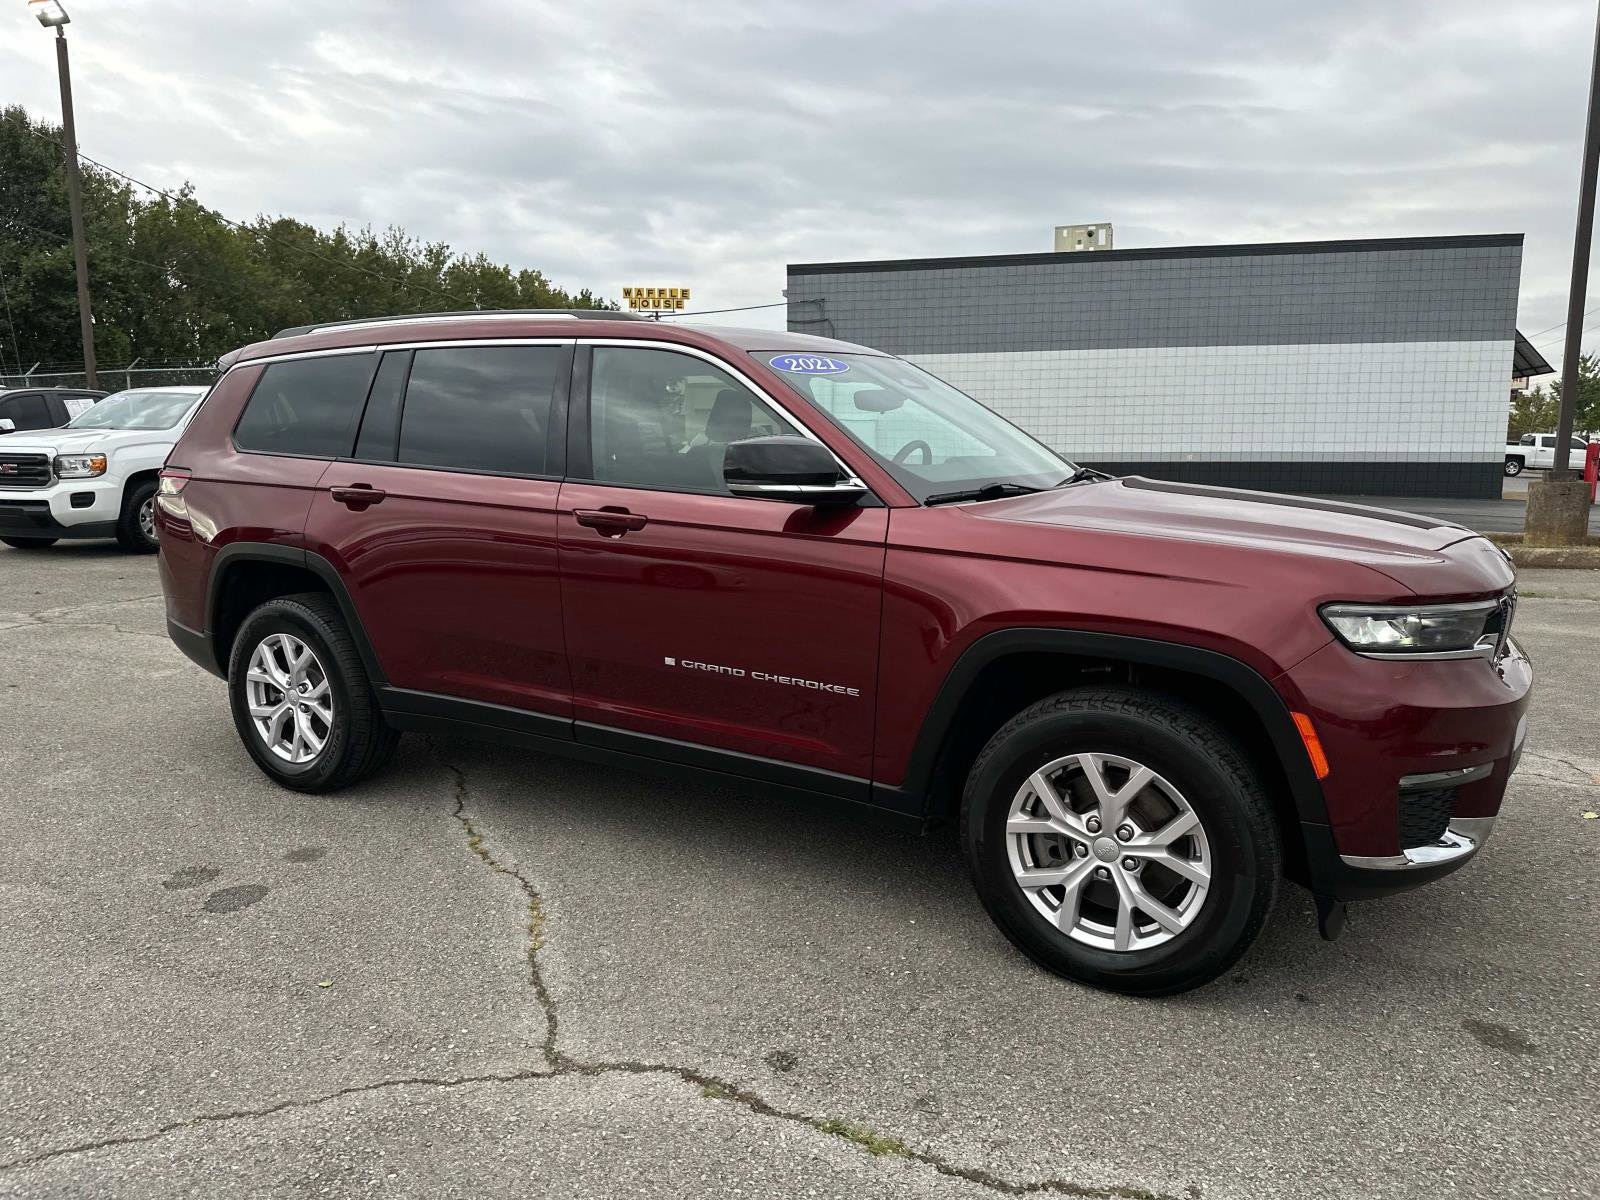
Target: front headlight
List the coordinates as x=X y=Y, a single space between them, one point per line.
x=1423 y=630
x=80 y=466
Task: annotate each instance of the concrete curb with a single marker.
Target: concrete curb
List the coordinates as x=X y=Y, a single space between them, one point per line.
x=1579 y=558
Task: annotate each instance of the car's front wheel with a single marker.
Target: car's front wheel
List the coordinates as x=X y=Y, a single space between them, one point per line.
x=136 y=526
x=301 y=699
x=1121 y=839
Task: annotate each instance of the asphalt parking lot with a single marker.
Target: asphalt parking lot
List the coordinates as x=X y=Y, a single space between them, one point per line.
x=1506 y=515
x=490 y=973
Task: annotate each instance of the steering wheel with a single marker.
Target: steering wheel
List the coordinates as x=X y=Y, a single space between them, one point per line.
x=905 y=452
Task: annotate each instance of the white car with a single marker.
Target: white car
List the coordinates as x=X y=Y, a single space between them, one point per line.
x=1538 y=451
x=94 y=477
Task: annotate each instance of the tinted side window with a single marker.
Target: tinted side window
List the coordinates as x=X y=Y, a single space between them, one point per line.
x=1525 y=440
x=660 y=419
x=380 y=424
x=29 y=412
x=481 y=408
x=306 y=406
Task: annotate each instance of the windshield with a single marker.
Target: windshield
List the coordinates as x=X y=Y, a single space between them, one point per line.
x=136 y=410
x=933 y=439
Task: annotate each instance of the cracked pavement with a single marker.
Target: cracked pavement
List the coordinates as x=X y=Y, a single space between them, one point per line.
x=488 y=972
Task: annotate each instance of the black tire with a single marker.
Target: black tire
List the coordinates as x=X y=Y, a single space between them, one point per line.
x=359 y=742
x=26 y=543
x=1202 y=762
x=130 y=536
x=1513 y=466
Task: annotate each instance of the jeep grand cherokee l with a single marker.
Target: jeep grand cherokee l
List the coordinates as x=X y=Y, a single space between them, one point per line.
x=804 y=567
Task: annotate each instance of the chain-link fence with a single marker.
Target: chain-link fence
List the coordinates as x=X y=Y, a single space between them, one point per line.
x=115 y=379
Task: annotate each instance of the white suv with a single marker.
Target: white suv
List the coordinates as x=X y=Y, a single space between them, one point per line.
x=95 y=477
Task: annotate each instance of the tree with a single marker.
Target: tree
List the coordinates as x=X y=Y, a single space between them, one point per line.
x=173 y=280
x=1586 y=415
x=1533 y=411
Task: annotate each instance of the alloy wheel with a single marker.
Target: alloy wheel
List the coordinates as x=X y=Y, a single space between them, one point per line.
x=147 y=519
x=291 y=703
x=1108 y=852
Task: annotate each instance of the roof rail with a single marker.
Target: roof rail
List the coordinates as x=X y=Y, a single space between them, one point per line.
x=493 y=314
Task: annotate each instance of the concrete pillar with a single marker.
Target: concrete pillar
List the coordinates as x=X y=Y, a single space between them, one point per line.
x=1558 y=513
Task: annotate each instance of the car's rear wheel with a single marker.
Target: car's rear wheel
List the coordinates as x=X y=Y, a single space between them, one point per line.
x=26 y=543
x=1513 y=466
x=301 y=698
x=136 y=527
x=1121 y=839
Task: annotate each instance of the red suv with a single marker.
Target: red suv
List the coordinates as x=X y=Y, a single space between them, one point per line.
x=798 y=566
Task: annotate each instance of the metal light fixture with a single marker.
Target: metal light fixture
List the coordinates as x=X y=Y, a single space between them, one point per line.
x=50 y=13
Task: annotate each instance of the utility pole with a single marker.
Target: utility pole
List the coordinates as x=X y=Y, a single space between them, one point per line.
x=1577 y=294
x=52 y=16
x=1558 y=504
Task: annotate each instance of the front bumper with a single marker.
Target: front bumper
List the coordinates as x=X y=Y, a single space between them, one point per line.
x=1461 y=838
x=1420 y=756
x=68 y=508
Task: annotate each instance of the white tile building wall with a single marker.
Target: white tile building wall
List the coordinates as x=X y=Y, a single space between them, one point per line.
x=1376 y=366
x=1351 y=401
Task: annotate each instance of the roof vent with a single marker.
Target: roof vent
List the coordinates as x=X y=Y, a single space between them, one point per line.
x=1070 y=238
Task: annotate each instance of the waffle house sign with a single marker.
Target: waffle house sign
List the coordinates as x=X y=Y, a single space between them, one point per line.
x=655 y=299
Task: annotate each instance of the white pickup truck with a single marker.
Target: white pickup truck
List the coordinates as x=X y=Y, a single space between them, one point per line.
x=1538 y=451
x=95 y=477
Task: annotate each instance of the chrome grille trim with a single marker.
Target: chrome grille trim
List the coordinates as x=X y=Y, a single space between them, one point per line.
x=18 y=470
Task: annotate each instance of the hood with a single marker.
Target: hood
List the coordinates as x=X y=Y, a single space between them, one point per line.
x=85 y=441
x=1395 y=543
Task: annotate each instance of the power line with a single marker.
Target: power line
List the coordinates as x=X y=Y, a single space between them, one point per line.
x=1589 y=330
x=707 y=312
x=176 y=199
x=97 y=251
x=1562 y=339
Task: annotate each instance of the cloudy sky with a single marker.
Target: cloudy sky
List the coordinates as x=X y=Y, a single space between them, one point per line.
x=708 y=143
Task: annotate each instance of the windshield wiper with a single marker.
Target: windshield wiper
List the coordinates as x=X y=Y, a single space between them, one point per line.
x=1083 y=475
x=989 y=491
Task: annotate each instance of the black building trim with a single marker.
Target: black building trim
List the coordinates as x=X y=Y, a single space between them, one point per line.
x=1341 y=246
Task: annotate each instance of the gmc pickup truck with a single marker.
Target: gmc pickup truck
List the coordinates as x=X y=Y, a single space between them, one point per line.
x=1537 y=451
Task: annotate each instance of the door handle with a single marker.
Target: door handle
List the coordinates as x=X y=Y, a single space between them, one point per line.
x=358 y=496
x=610 y=522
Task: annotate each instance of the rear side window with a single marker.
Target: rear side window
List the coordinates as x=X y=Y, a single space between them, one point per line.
x=481 y=408
x=306 y=406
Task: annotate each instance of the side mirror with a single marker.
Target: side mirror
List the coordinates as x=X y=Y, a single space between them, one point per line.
x=7 y=425
x=795 y=470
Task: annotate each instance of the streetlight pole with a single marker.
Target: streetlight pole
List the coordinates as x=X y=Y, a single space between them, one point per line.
x=52 y=16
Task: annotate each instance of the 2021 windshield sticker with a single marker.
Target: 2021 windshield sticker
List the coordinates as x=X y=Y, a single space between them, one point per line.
x=809 y=364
